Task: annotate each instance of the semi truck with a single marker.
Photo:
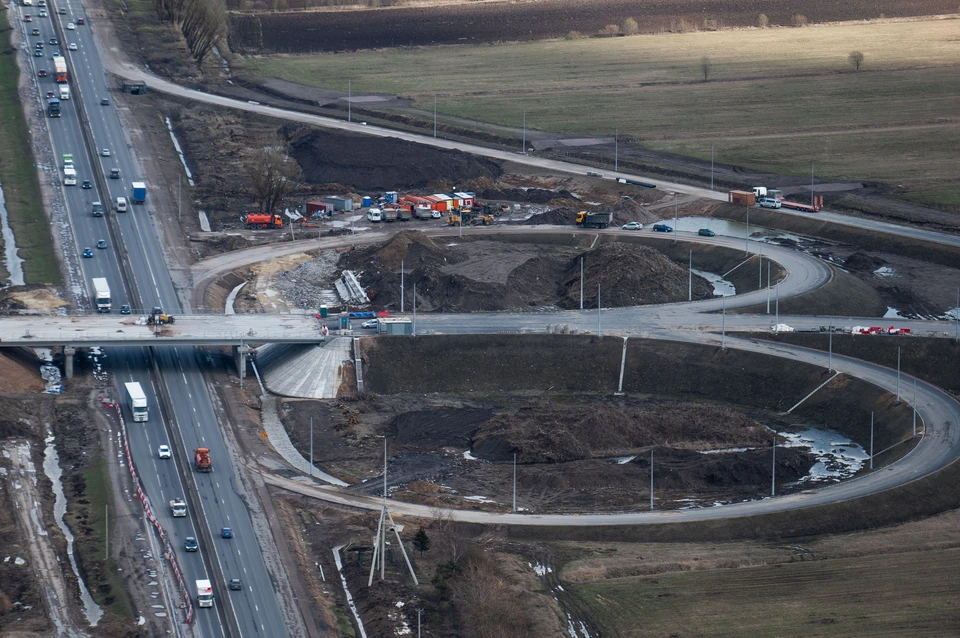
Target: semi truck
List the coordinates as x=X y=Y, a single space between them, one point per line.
x=139 y=192
x=53 y=107
x=204 y=593
x=594 y=220
x=202 y=456
x=178 y=508
x=137 y=401
x=60 y=68
x=101 y=294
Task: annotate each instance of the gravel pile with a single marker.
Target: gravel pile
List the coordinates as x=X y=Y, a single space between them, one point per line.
x=311 y=283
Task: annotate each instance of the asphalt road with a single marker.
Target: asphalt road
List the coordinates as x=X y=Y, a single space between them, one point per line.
x=255 y=609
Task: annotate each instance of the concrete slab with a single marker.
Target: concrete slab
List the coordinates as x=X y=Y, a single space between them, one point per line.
x=304 y=371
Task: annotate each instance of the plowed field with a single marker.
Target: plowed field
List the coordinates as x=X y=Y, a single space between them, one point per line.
x=297 y=32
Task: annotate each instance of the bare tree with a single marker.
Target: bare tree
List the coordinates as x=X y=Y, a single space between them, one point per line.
x=447 y=534
x=630 y=27
x=705 y=66
x=202 y=22
x=273 y=174
x=856 y=60
x=763 y=21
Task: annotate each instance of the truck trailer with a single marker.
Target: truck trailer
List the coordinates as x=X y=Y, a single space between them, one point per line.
x=60 y=68
x=139 y=192
x=101 y=295
x=204 y=593
x=137 y=401
x=69 y=176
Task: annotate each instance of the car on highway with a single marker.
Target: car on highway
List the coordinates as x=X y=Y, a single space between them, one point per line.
x=125 y=309
x=39 y=45
x=104 y=101
x=706 y=232
x=114 y=173
x=105 y=152
x=86 y=184
x=101 y=243
x=35 y=31
x=52 y=40
x=190 y=544
x=71 y=26
x=226 y=532
x=769 y=202
x=163 y=451
x=80 y=21
x=38 y=53
x=42 y=73
x=633 y=226
x=236 y=584
x=50 y=94
x=88 y=252
x=662 y=228
x=370 y=324
x=43 y=13
x=56 y=54
x=28 y=18
x=62 y=11
x=73 y=46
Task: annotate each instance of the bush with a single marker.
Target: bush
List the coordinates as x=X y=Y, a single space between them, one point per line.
x=610 y=29
x=630 y=27
x=763 y=21
x=799 y=20
x=574 y=35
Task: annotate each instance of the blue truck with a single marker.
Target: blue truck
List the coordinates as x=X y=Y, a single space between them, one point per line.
x=53 y=107
x=139 y=192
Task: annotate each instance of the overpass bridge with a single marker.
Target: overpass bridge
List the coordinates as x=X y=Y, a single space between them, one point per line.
x=237 y=331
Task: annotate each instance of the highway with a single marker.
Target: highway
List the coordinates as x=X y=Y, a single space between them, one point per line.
x=255 y=610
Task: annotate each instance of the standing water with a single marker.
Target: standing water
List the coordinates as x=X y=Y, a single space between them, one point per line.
x=51 y=467
x=11 y=259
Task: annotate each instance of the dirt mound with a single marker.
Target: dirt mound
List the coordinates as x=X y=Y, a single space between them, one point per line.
x=584 y=431
x=438 y=428
x=690 y=470
x=410 y=247
x=630 y=210
x=863 y=262
x=530 y=195
x=380 y=164
x=628 y=275
x=554 y=217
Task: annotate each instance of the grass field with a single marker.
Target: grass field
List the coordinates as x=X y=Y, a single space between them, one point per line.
x=776 y=99
x=18 y=175
x=913 y=594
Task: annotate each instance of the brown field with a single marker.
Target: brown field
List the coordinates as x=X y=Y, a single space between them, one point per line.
x=475 y=23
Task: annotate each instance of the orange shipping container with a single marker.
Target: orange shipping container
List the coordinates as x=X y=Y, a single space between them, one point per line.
x=743 y=198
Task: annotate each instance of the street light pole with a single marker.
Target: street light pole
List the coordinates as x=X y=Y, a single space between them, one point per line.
x=598 y=311
x=711 y=166
x=349 y=100
x=616 y=149
x=434 y=114
x=830 y=355
x=514 y=482
x=914 y=407
x=746 y=242
x=651 y=480
x=723 y=325
x=871 y=440
x=414 y=309
x=768 y=286
x=811 y=182
x=778 y=303
x=524 y=142
x=773 y=467
x=898 y=374
x=581 y=282
x=690 y=278
x=401 y=286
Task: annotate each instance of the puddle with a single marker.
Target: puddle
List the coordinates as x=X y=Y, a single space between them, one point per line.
x=176 y=145
x=11 y=260
x=837 y=457
x=51 y=467
x=721 y=287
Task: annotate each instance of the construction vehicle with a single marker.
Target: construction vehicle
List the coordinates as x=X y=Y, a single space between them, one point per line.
x=202 y=456
x=178 y=507
x=263 y=220
x=594 y=220
x=159 y=317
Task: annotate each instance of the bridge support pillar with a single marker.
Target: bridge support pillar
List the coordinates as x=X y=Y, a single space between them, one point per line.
x=68 y=352
x=240 y=359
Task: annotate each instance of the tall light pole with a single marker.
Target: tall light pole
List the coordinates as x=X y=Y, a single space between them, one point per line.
x=434 y=114
x=616 y=149
x=898 y=374
x=768 y=286
x=690 y=278
x=723 y=325
x=746 y=242
x=524 y=141
x=830 y=352
x=811 y=182
x=514 y=482
x=711 y=166
x=349 y=100
x=760 y=255
x=914 y=407
x=311 y=446
x=773 y=467
x=778 y=303
x=651 y=480
x=598 y=311
x=414 y=309
x=401 y=286
x=581 y=282
x=956 y=316
x=871 y=440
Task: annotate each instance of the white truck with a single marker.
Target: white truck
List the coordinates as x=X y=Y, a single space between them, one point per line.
x=137 y=401
x=101 y=294
x=178 y=507
x=204 y=593
x=69 y=176
x=64 y=92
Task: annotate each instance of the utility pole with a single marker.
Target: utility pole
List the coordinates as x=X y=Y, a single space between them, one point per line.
x=414 y=309
x=811 y=182
x=711 y=166
x=871 y=440
x=690 y=278
x=723 y=325
x=581 y=282
x=773 y=467
x=434 y=115
x=514 y=482
x=651 y=480
x=746 y=242
x=956 y=315
x=349 y=100
x=676 y=213
x=898 y=375
x=179 y=203
x=616 y=149
x=524 y=142
x=914 y=407
x=778 y=303
x=401 y=286
x=599 y=334
x=311 y=446
x=768 y=286
x=830 y=353
x=760 y=257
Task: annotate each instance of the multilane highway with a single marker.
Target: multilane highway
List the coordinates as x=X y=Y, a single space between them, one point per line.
x=255 y=610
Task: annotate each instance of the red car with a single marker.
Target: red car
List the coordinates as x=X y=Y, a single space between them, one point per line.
x=80 y=21
x=50 y=94
x=42 y=73
x=28 y=18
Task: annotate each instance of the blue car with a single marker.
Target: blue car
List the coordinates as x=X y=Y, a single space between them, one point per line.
x=87 y=252
x=191 y=544
x=226 y=532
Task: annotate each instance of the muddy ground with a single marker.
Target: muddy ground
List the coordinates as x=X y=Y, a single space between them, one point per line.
x=476 y=22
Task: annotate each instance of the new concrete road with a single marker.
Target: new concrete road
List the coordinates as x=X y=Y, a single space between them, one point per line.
x=256 y=608
x=131 y=72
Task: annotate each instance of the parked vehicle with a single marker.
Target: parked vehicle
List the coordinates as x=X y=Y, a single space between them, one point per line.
x=594 y=220
x=743 y=198
x=369 y=324
x=263 y=220
x=374 y=215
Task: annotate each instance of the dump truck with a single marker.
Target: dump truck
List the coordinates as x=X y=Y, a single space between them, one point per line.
x=139 y=192
x=178 y=507
x=594 y=220
x=204 y=593
x=202 y=456
x=137 y=401
x=404 y=214
x=263 y=220
x=389 y=214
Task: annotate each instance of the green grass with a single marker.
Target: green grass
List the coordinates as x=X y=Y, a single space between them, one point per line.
x=108 y=588
x=18 y=175
x=893 y=595
x=777 y=99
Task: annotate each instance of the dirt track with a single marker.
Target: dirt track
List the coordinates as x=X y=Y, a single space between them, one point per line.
x=294 y=32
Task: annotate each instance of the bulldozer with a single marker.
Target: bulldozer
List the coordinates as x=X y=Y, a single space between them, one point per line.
x=158 y=317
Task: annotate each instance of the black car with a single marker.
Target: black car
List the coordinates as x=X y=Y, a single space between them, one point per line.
x=42 y=73
x=125 y=309
x=236 y=584
x=53 y=40
x=86 y=184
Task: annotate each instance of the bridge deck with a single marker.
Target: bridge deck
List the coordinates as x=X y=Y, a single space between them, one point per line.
x=132 y=330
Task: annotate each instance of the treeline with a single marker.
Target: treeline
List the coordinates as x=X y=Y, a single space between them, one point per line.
x=201 y=22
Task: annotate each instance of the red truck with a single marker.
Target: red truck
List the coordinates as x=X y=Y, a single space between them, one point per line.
x=263 y=220
x=202 y=456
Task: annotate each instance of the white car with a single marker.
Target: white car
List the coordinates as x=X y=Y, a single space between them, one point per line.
x=163 y=451
x=436 y=214
x=633 y=226
x=71 y=26
x=73 y=46
x=105 y=152
x=370 y=324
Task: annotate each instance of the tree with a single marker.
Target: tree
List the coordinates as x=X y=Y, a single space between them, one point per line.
x=202 y=22
x=273 y=175
x=421 y=541
x=705 y=66
x=763 y=21
x=630 y=27
x=856 y=59
x=799 y=20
